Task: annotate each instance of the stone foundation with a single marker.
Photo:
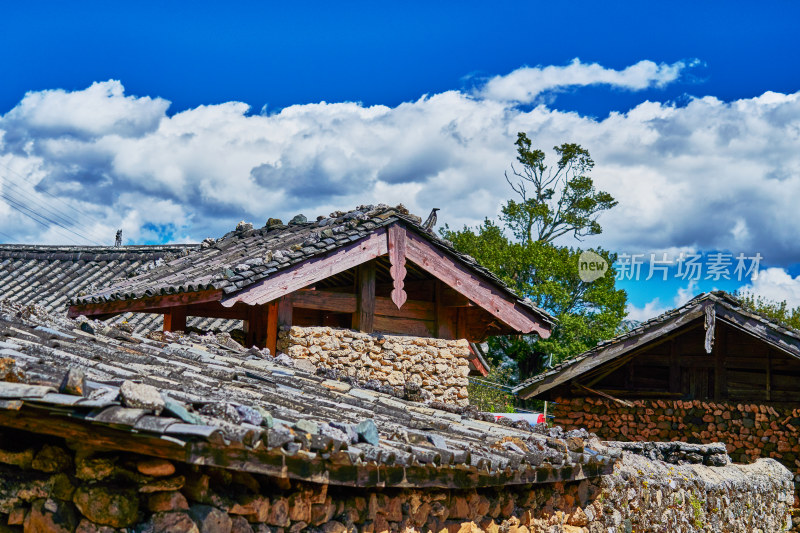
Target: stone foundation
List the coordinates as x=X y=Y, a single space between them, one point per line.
x=749 y=431
x=48 y=485
x=440 y=367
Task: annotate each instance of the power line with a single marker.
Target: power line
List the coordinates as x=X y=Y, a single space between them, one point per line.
x=32 y=214
x=56 y=198
x=52 y=210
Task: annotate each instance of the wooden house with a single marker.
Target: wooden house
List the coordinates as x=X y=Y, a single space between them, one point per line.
x=373 y=269
x=709 y=349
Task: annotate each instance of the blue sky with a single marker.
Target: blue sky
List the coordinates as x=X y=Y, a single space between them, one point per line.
x=176 y=120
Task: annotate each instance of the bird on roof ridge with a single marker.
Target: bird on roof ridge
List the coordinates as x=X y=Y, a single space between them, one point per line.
x=431 y=221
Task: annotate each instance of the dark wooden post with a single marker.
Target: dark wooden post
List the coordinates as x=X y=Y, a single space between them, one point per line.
x=175 y=318
x=256 y=326
x=284 y=312
x=720 y=377
x=444 y=316
x=674 y=368
x=272 y=328
x=364 y=317
x=461 y=323
x=769 y=374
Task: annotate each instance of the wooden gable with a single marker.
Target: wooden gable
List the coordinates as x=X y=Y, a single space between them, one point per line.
x=709 y=352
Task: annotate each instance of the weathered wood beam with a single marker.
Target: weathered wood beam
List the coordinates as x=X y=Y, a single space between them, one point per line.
x=175 y=318
x=404 y=326
x=603 y=394
x=284 y=312
x=445 y=329
x=482 y=293
x=719 y=352
x=340 y=302
x=215 y=310
x=364 y=316
x=272 y=328
x=769 y=375
x=256 y=327
x=674 y=368
x=311 y=271
x=397 y=260
x=149 y=304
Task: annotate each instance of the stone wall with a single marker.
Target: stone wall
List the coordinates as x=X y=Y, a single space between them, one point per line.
x=749 y=431
x=46 y=485
x=439 y=367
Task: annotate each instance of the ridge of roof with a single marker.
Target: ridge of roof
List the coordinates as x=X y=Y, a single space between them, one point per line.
x=247 y=255
x=719 y=297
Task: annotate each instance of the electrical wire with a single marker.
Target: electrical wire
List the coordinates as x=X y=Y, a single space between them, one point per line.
x=56 y=198
x=28 y=205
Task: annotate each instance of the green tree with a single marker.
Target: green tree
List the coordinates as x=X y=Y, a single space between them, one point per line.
x=777 y=311
x=554 y=202
x=489 y=394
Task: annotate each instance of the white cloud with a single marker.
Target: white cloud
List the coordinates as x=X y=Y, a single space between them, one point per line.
x=654 y=307
x=706 y=175
x=776 y=284
x=650 y=309
x=525 y=84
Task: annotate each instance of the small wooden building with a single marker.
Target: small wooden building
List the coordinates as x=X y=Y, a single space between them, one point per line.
x=374 y=269
x=709 y=349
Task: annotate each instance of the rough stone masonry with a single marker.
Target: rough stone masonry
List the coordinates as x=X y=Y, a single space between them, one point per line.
x=49 y=485
x=440 y=367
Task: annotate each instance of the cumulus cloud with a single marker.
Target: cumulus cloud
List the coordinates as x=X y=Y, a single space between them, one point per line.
x=705 y=175
x=776 y=284
x=524 y=85
x=654 y=307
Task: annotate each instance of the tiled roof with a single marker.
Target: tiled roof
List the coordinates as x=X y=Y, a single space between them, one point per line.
x=720 y=298
x=218 y=396
x=246 y=255
x=50 y=275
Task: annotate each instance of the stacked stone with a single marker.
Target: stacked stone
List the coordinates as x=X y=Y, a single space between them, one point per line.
x=52 y=488
x=749 y=431
x=440 y=367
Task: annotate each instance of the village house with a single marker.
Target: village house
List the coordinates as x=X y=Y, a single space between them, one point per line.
x=343 y=408
x=708 y=371
x=105 y=430
x=307 y=289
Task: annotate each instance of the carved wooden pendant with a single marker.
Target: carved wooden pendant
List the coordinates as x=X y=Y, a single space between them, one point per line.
x=397 y=258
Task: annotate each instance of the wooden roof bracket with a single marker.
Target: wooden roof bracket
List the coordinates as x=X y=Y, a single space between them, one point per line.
x=397 y=258
x=710 y=324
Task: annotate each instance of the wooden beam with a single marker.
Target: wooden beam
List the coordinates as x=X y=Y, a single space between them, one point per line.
x=149 y=304
x=397 y=260
x=404 y=326
x=284 y=312
x=311 y=271
x=175 y=318
x=272 y=328
x=604 y=395
x=215 y=310
x=364 y=316
x=256 y=326
x=769 y=375
x=674 y=368
x=482 y=293
x=444 y=317
x=720 y=352
x=342 y=302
